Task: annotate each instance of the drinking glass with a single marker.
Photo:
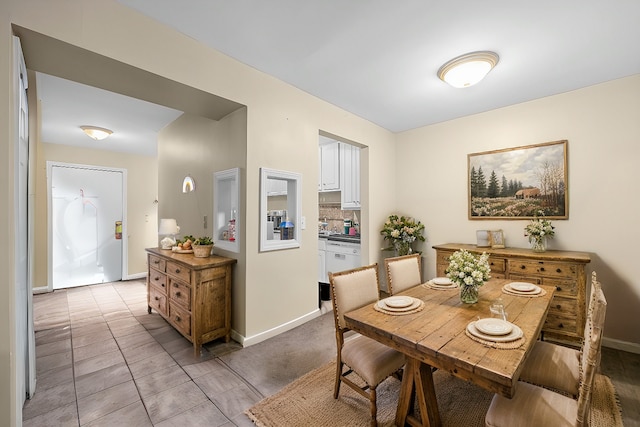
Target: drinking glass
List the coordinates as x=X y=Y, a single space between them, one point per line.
x=497 y=309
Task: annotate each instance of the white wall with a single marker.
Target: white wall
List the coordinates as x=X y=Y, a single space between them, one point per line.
x=602 y=125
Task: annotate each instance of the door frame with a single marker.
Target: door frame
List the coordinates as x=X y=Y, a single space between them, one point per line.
x=125 y=238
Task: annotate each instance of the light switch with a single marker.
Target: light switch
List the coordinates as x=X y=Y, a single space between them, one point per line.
x=303 y=223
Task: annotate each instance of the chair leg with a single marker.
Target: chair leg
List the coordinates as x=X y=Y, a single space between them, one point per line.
x=374 y=407
x=336 y=389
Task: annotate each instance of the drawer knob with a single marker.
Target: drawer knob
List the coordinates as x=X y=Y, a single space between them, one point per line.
x=156 y=298
x=558 y=288
x=177 y=270
x=178 y=293
x=156 y=278
x=156 y=261
x=162 y=285
x=541 y=268
x=559 y=270
x=561 y=325
x=558 y=306
x=178 y=318
x=522 y=267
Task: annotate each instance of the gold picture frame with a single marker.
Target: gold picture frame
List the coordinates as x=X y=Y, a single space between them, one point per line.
x=496 y=239
x=520 y=182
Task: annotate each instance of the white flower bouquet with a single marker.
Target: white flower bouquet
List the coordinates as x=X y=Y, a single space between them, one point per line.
x=466 y=269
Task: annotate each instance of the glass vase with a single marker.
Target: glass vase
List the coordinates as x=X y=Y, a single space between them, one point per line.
x=539 y=244
x=402 y=248
x=469 y=294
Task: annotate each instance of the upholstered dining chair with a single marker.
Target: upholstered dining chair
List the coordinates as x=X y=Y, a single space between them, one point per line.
x=555 y=366
x=403 y=272
x=533 y=406
x=370 y=360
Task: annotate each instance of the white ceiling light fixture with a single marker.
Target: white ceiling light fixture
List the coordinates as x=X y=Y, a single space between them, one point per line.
x=468 y=69
x=96 y=132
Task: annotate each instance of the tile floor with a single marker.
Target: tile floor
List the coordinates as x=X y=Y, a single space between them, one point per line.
x=102 y=360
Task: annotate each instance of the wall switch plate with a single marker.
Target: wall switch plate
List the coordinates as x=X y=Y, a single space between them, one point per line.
x=303 y=223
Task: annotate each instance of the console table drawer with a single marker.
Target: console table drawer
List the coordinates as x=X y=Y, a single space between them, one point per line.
x=180 y=293
x=180 y=318
x=157 y=278
x=157 y=263
x=543 y=268
x=179 y=271
x=158 y=300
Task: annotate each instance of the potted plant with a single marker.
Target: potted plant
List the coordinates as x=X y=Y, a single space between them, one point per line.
x=202 y=247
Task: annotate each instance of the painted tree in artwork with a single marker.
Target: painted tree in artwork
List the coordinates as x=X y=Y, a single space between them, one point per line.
x=493 y=190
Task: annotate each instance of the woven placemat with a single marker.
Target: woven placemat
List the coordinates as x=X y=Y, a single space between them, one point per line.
x=376 y=307
x=430 y=285
x=521 y=294
x=510 y=345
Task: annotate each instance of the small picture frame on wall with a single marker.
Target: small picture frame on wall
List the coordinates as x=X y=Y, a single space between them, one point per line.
x=497 y=239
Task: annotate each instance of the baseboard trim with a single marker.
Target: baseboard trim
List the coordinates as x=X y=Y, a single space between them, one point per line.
x=621 y=345
x=255 y=339
x=135 y=276
x=40 y=290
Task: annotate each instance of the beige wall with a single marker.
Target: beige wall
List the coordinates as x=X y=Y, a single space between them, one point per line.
x=602 y=125
x=199 y=147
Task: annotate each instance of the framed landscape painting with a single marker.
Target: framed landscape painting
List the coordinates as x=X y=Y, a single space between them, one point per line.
x=520 y=182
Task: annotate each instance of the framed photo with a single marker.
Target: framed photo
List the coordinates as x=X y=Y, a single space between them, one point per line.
x=517 y=183
x=496 y=239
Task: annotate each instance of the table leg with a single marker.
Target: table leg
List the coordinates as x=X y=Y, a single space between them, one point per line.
x=418 y=376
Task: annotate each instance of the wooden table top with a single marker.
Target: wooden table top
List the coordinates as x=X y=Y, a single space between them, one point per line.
x=436 y=335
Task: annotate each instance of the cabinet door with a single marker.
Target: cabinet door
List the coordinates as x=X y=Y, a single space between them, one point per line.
x=330 y=166
x=322 y=271
x=350 y=177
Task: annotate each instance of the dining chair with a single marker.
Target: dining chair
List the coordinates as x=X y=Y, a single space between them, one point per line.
x=403 y=272
x=555 y=366
x=370 y=360
x=533 y=406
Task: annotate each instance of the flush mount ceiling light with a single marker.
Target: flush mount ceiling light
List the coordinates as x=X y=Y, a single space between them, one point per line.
x=96 y=132
x=468 y=69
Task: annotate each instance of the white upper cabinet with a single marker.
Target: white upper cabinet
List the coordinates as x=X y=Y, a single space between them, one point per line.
x=329 y=167
x=350 y=176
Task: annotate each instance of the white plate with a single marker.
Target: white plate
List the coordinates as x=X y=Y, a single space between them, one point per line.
x=398 y=301
x=515 y=334
x=513 y=291
x=415 y=304
x=522 y=286
x=441 y=281
x=491 y=326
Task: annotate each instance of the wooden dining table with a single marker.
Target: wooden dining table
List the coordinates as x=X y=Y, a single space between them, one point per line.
x=435 y=338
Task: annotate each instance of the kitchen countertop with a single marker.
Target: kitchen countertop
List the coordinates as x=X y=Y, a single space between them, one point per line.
x=340 y=238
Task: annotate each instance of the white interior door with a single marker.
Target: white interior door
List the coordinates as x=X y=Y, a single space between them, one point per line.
x=24 y=334
x=86 y=203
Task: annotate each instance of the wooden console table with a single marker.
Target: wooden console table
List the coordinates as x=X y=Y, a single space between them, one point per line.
x=192 y=294
x=564 y=270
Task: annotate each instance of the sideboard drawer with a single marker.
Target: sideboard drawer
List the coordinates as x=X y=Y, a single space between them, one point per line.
x=157 y=300
x=180 y=293
x=543 y=268
x=564 y=288
x=157 y=263
x=498 y=265
x=157 y=278
x=179 y=271
x=180 y=318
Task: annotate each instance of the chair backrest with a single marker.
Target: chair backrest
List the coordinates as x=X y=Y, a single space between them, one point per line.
x=590 y=354
x=403 y=272
x=351 y=289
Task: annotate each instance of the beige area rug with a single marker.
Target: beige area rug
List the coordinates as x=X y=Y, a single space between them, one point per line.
x=309 y=401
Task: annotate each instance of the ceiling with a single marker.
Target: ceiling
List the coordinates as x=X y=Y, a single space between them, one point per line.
x=378 y=59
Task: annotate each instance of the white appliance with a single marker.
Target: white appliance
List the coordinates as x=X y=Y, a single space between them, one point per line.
x=342 y=256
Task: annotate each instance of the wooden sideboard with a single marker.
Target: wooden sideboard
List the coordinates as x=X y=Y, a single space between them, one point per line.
x=192 y=294
x=564 y=270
